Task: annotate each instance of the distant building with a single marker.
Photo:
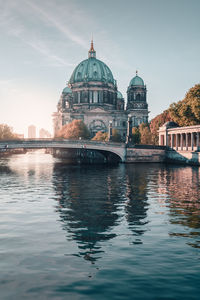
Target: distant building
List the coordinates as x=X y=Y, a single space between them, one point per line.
x=31 y=132
x=92 y=96
x=19 y=135
x=44 y=134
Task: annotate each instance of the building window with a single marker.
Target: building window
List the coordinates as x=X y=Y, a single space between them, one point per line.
x=91 y=97
x=79 y=96
x=75 y=97
x=95 y=97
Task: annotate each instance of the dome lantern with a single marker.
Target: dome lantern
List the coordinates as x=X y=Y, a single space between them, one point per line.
x=92 y=52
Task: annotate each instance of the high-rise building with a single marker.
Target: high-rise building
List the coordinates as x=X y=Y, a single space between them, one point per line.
x=31 y=132
x=43 y=133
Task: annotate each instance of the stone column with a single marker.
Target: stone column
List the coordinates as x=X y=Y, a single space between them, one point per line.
x=192 y=141
x=176 y=141
x=172 y=140
x=110 y=131
x=166 y=138
x=159 y=143
x=181 y=141
x=186 y=141
x=129 y=130
x=197 y=141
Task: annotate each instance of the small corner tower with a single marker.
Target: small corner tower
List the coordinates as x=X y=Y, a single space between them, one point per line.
x=137 y=106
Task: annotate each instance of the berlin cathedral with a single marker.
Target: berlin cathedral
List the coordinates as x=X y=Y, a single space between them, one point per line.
x=92 y=96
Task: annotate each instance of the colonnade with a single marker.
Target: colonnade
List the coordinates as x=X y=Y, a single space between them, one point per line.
x=180 y=138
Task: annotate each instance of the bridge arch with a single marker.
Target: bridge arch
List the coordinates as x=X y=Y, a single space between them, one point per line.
x=106 y=148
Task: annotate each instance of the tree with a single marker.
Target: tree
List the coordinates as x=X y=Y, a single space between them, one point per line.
x=145 y=134
x=6 y=132
x=187 y=111
x=157 y=122
x=100 y=136
x=116 y=136
x=74 y=130
x=135 y=135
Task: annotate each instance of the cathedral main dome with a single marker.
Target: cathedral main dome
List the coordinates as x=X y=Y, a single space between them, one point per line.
x=92 y=69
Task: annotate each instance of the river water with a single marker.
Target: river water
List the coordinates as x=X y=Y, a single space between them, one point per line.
x=98 y=232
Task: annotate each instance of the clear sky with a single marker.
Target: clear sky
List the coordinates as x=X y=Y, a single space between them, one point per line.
x=43 y=41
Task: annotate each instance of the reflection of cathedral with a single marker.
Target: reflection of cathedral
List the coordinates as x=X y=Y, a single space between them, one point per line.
x=90 y=215
x=92 y=96
x=137 y=204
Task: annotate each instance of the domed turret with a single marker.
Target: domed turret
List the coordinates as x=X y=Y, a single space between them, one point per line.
x=136 y=102
x=119 y=95
x=136 y=81
x=67 y=90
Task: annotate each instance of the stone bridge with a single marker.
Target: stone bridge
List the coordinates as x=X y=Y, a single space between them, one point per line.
x=118 y=149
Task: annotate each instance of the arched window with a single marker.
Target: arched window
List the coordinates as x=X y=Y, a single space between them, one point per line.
x=138 y=97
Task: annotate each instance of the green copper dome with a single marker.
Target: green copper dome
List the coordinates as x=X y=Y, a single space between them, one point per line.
x=119 y=95
x=138 y=81
x=92 y=69
x=67 y=90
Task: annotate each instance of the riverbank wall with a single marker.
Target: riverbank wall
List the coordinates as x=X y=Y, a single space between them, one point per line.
x=145 y=153
x=183 y=157
x=160 y=154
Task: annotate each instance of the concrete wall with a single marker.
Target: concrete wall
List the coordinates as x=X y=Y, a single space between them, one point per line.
x=145 y=155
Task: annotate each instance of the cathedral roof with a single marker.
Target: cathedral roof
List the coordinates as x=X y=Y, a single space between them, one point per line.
x=137 y=81
x=92 y=69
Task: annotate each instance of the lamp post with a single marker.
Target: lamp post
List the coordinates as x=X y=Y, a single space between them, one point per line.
x=110 y=131
x=129 y=130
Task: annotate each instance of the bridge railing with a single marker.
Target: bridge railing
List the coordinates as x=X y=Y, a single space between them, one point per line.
x=59 y=141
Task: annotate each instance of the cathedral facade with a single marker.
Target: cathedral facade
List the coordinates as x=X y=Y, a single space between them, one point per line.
x=92 y=96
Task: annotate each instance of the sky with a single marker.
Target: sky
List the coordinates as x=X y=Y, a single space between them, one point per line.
x=43 y=41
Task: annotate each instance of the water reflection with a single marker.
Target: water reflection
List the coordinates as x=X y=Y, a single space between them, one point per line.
x=182 y=185
x=88 y=207
x=136 y=205
x=93 y=201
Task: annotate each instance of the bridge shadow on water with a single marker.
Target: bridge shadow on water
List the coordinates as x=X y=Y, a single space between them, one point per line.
x=87 y=156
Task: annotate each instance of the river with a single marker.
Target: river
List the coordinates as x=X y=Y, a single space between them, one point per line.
x=98 y=232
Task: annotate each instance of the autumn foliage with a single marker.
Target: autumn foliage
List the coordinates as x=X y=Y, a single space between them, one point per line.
x=116 y=136
x=6 y=132
x=103 y=136
x=157 y=122
x=187 y=111
x=100 y=136
x=74 y=131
